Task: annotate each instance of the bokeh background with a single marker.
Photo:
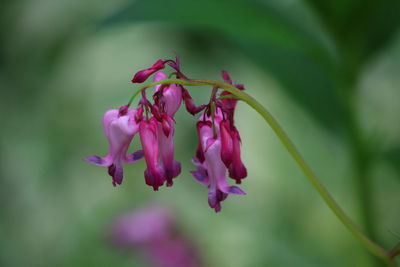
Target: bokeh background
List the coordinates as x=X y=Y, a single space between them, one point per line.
x=328 y=70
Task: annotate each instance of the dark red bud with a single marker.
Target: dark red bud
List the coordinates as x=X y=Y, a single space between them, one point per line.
x=142 y=75
x=226 y=77
x=123 y=110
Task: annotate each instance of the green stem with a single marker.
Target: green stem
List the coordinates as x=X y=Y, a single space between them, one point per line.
x=291 y=148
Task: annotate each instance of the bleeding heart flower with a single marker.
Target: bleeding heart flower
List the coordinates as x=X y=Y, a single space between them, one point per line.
x=212 y=171
x=171 y=95
x=154 y=174
x=119 y=127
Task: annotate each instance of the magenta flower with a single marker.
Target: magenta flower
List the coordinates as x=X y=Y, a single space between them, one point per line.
x=142 y=75
x=218 y=150
x=226 y=143
x=171 y=96
x=119 y=127
x=230 y=136
x=212 y=171
x=237 y=170
x=230 y=152
x=171 y=167
x=154 y=174
x=169 y=100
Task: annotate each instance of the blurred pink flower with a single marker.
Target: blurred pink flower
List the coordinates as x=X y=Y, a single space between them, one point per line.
x=154 y=233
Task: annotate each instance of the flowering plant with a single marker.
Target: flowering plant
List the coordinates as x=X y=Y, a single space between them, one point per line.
x=218 y=151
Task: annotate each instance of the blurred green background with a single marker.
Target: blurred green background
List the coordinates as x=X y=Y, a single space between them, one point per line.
x=328 y=70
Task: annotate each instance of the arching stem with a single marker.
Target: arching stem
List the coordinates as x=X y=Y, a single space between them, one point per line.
x=291 y=148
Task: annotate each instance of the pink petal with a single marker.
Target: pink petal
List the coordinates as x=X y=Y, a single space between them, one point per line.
x=226 y=142
x=159 y=76
x=226 y=77
x=135 y=156
x=200 y=174
x=171 y=167
x=237 y=170
x=149 y=138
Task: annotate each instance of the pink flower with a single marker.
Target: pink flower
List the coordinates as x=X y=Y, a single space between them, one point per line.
x=230 y=152
x=171 y=167
x=169 y=100
x=212 y=172
x=170 y=97
x=154 y=233
x=226 y=143
x=154 y=174
x=237 y=170
x=142 y=75
x=230 y=137
x=146 y=225
x=218 y=149
x=119 y=127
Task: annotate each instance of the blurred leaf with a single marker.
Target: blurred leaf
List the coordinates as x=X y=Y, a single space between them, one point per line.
x=393 y=157
x=280 y=39
x=395 y=234
x=360 y=27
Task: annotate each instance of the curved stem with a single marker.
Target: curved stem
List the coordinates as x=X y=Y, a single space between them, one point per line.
x=291 y=148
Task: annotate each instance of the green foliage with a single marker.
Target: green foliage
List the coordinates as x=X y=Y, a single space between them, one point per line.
x=278 y=40
x=278 y=36
x=360 y=27
x=57 y=76
x=393 y=157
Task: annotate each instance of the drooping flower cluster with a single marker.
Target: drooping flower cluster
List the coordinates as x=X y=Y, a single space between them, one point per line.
x=218 y=151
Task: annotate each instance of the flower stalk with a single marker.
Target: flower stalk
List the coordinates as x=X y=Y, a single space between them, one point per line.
x=375 y=249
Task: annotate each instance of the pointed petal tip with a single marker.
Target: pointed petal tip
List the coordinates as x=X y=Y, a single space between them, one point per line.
x=200 y=177
x=235 y=190
x=96 y=160
x=217 y=208
x=135 y=156
x=177 y=168
x=226 y=77
x=154 y=179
